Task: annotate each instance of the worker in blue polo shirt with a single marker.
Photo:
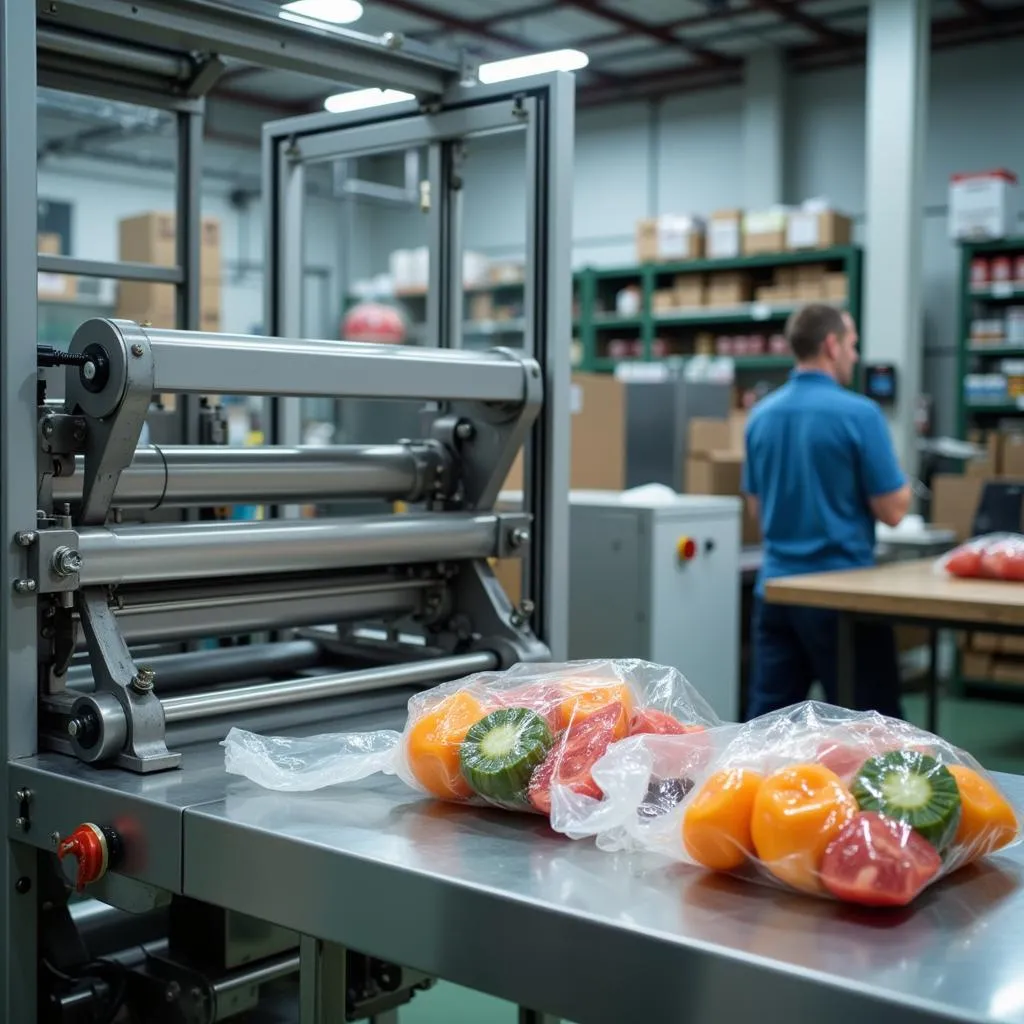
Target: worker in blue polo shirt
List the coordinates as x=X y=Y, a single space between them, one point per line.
x=820 y=471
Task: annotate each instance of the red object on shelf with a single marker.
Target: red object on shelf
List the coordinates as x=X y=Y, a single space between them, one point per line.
x=1018 y=272
x=94 y=848
x=979 y=272
x=1000 y=269
x=373 y=322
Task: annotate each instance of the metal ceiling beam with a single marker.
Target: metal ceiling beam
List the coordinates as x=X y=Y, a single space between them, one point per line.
x=977 y=8
x=671 y=81
x=255 y=32
x=791 y=13
x=709 y=58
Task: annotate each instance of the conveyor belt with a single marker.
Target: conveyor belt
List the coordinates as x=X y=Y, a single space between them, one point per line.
x=499 y=903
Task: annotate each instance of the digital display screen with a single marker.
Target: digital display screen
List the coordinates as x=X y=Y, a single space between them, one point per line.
x=880 y=382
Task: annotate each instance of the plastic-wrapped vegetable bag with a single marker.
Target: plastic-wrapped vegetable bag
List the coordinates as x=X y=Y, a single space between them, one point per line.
x=852 y=805
x=525 y=739
x=995 y=556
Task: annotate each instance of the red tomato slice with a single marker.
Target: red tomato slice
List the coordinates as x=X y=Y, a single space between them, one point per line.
x=965 y=562
x=878 y=862
x=650 y=721
x=575 y=752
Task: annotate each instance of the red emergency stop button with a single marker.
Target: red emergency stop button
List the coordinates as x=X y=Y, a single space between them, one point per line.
x=686 y=549
x=96 y=850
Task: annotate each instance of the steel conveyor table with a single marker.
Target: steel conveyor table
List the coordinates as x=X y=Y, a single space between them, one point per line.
x=501 y=904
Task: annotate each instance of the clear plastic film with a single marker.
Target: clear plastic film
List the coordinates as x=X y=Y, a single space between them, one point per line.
x=814 y=798
x=994 y=556
x=525 y=739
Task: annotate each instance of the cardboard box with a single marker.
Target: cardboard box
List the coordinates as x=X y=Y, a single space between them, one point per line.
x=708 y=434
x=690 y=290
x=985 y=643
x=54 y=287
x=809 y=291
x=983 y=205
x=1012 y=644
x=836 y=288
x=669 y=237
x=728 y=288
x=955 y=501
x=724 y=235
x=764 y=232
x=975 y=666
x=991 y=465
x=1004 y=670
x=722 y=473
x=481 y=306
x=817 y=229
x=663 y=300
x=597 y=460
x=1011 y=462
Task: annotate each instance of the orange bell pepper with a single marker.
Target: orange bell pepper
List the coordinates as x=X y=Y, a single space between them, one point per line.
x=433 y=742
x=987 y=821
x=797 y=812
x=716 y=826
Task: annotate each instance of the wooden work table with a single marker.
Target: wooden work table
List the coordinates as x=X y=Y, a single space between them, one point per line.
x=903 y=592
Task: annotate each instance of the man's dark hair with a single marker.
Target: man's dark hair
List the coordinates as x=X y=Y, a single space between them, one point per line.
x=807 y=329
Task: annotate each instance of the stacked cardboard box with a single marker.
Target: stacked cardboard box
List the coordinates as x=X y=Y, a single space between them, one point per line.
x=151 y=238
x=669 y=237
x=54 y=287
x=817 y=227
x=714 y=464
x=597 y=461
x=809 y=282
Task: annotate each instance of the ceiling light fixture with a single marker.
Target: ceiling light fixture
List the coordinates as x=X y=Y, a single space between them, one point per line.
x=361 y=99
x=337 y=12
x=532 y=64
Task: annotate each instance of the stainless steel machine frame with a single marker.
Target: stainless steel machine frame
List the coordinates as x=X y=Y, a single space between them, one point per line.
x=167 y=53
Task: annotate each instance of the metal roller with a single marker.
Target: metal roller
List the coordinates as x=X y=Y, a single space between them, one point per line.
x=267 y=695
x=192 y=551
x=163 y=614
x=187 y=362
x=214 y=668
x=183 y=476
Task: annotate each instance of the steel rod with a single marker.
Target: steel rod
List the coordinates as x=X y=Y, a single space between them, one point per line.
x=205 y=550
x=158 y=615
x=117 y=271
x=193 y=362
x=182 y=476
x=99 y=51
x=257 y=974
x=246 y=698
x=215 y=668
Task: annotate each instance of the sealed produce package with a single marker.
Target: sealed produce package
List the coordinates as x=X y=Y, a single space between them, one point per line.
x=995 y=556
x=525 y=739
x=814 y=798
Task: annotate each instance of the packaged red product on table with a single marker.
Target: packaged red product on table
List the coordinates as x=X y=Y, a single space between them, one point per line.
x=979 y=272
x=995 y=556
x=846 y=805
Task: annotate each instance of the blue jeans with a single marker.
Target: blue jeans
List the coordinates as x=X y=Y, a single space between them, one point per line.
x=794 y=647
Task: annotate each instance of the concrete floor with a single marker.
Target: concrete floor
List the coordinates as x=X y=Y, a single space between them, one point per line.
x=992 y=731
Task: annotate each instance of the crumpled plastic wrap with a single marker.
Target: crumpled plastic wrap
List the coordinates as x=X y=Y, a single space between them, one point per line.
x=524 y=739
x=994 y=556
x=814 y=798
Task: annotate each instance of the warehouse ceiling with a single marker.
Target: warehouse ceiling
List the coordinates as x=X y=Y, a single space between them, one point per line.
x=639 y=48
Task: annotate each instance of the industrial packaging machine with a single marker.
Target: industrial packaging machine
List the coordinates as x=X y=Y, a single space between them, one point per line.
x=204 y=898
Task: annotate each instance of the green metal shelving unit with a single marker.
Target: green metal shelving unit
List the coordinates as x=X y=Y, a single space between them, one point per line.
x=593 y=323
x=972 y=413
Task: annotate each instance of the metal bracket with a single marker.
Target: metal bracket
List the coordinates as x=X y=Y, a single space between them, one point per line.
x=116 y=403
x=61 y=434
x=513 y=534
x=54 y=562
x=123 y=719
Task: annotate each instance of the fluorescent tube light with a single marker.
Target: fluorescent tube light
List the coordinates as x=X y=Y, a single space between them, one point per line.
x=337 y=12
x=360 y=99
x=532 y=64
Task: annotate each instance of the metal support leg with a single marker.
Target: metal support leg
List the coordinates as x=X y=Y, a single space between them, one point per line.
x=846 y=673
x=188 y=244
x=388 y=1017
x=322 y=982
x=933 y=680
